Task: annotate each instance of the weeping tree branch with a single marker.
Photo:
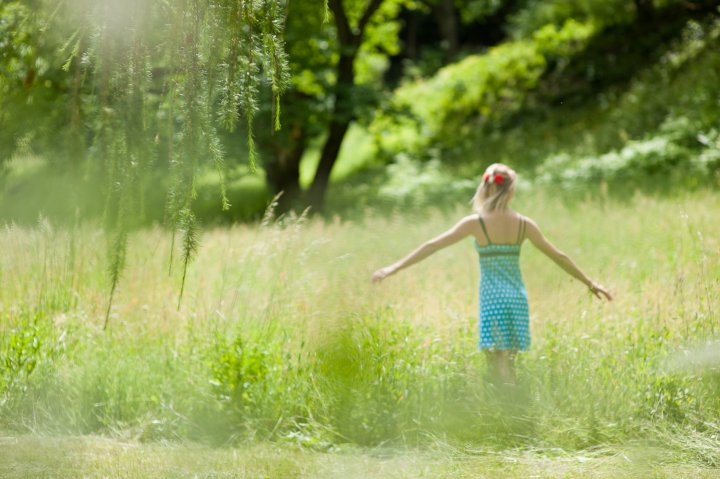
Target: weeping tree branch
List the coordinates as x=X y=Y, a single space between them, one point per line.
x=210 y=55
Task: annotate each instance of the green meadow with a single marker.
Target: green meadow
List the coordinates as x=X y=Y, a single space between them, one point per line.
x=282 y=359
x=159 y=320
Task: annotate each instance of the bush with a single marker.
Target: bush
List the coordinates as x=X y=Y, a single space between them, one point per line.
x=27 y=354
x=479 y=89
x=677 y=156
x=412 y=183
x=538 y=14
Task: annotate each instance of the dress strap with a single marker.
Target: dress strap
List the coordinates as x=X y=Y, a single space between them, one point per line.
x=482 y=223
x=521 y=230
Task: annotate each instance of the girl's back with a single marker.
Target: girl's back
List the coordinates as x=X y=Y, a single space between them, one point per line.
x=501 y=227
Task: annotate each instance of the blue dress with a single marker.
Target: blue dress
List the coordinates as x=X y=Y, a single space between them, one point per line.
x=504 y=319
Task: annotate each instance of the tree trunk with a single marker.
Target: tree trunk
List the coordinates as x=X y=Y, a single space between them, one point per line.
x=283 y=171
x=343 y=111
x=341 y=116
x=446 y=16
x=411 y=42
x=316 y=194
x=645 y=10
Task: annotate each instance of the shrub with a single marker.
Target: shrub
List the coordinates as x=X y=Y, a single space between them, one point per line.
x=538 y=14
x=412 y=183
x=677 y=156
x=478 y=89
x=27 y=355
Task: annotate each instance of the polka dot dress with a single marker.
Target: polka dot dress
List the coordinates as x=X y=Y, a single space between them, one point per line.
x=504 y=318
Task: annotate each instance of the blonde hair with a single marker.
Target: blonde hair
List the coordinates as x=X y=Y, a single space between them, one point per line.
x=495 y=189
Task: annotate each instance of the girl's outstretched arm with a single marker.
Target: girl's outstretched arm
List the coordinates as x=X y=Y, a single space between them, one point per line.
x=536 y=237
x=461 y=230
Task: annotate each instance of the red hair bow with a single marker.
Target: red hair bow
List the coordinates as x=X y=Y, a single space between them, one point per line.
x=497 y=179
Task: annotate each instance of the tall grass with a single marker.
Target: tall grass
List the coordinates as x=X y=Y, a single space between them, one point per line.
x=282 y=336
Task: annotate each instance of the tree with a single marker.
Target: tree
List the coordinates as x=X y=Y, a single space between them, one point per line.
x=145 y=78
x=445 y=14
x=350 y=37
x=310 y=46
x=33 y=85
x=330 y=87
x=352 y=25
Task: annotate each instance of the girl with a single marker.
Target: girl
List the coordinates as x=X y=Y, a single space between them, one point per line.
x=499 y=233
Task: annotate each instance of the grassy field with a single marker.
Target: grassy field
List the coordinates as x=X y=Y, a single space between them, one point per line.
x=100 y=457
x=283 y=360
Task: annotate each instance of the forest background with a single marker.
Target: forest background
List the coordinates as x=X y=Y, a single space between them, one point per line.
x=409 y=102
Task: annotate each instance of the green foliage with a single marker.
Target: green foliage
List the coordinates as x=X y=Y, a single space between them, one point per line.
x=604 y=13
x=474 y=10
x=29 y=351
x=381 y=40
x=667 y=109
x=412 y=183
x=323 y=91
x=238 y=373
x=312 y=47
x=649 y=126
x=31 y=79
x=259 y=388
x=380 y=382
x=669 y=398
x=368 y=370
x=538 y=14
x=677 y=156
x=479 y=89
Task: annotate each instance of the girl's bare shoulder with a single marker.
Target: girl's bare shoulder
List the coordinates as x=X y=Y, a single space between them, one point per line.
x=527 y=219
x=469 y=222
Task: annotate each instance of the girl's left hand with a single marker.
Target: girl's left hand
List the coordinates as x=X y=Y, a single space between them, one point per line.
x=382 y=273
x=599 y=291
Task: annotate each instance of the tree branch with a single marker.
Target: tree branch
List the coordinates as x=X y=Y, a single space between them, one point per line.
x=345 y=33
x=369 y=12
x=341 y=22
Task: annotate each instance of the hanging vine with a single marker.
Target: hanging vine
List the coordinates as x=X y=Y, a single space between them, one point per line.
x=163 y=75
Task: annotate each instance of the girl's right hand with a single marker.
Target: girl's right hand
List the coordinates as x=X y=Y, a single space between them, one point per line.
x=599 y=291
x=382 y=273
